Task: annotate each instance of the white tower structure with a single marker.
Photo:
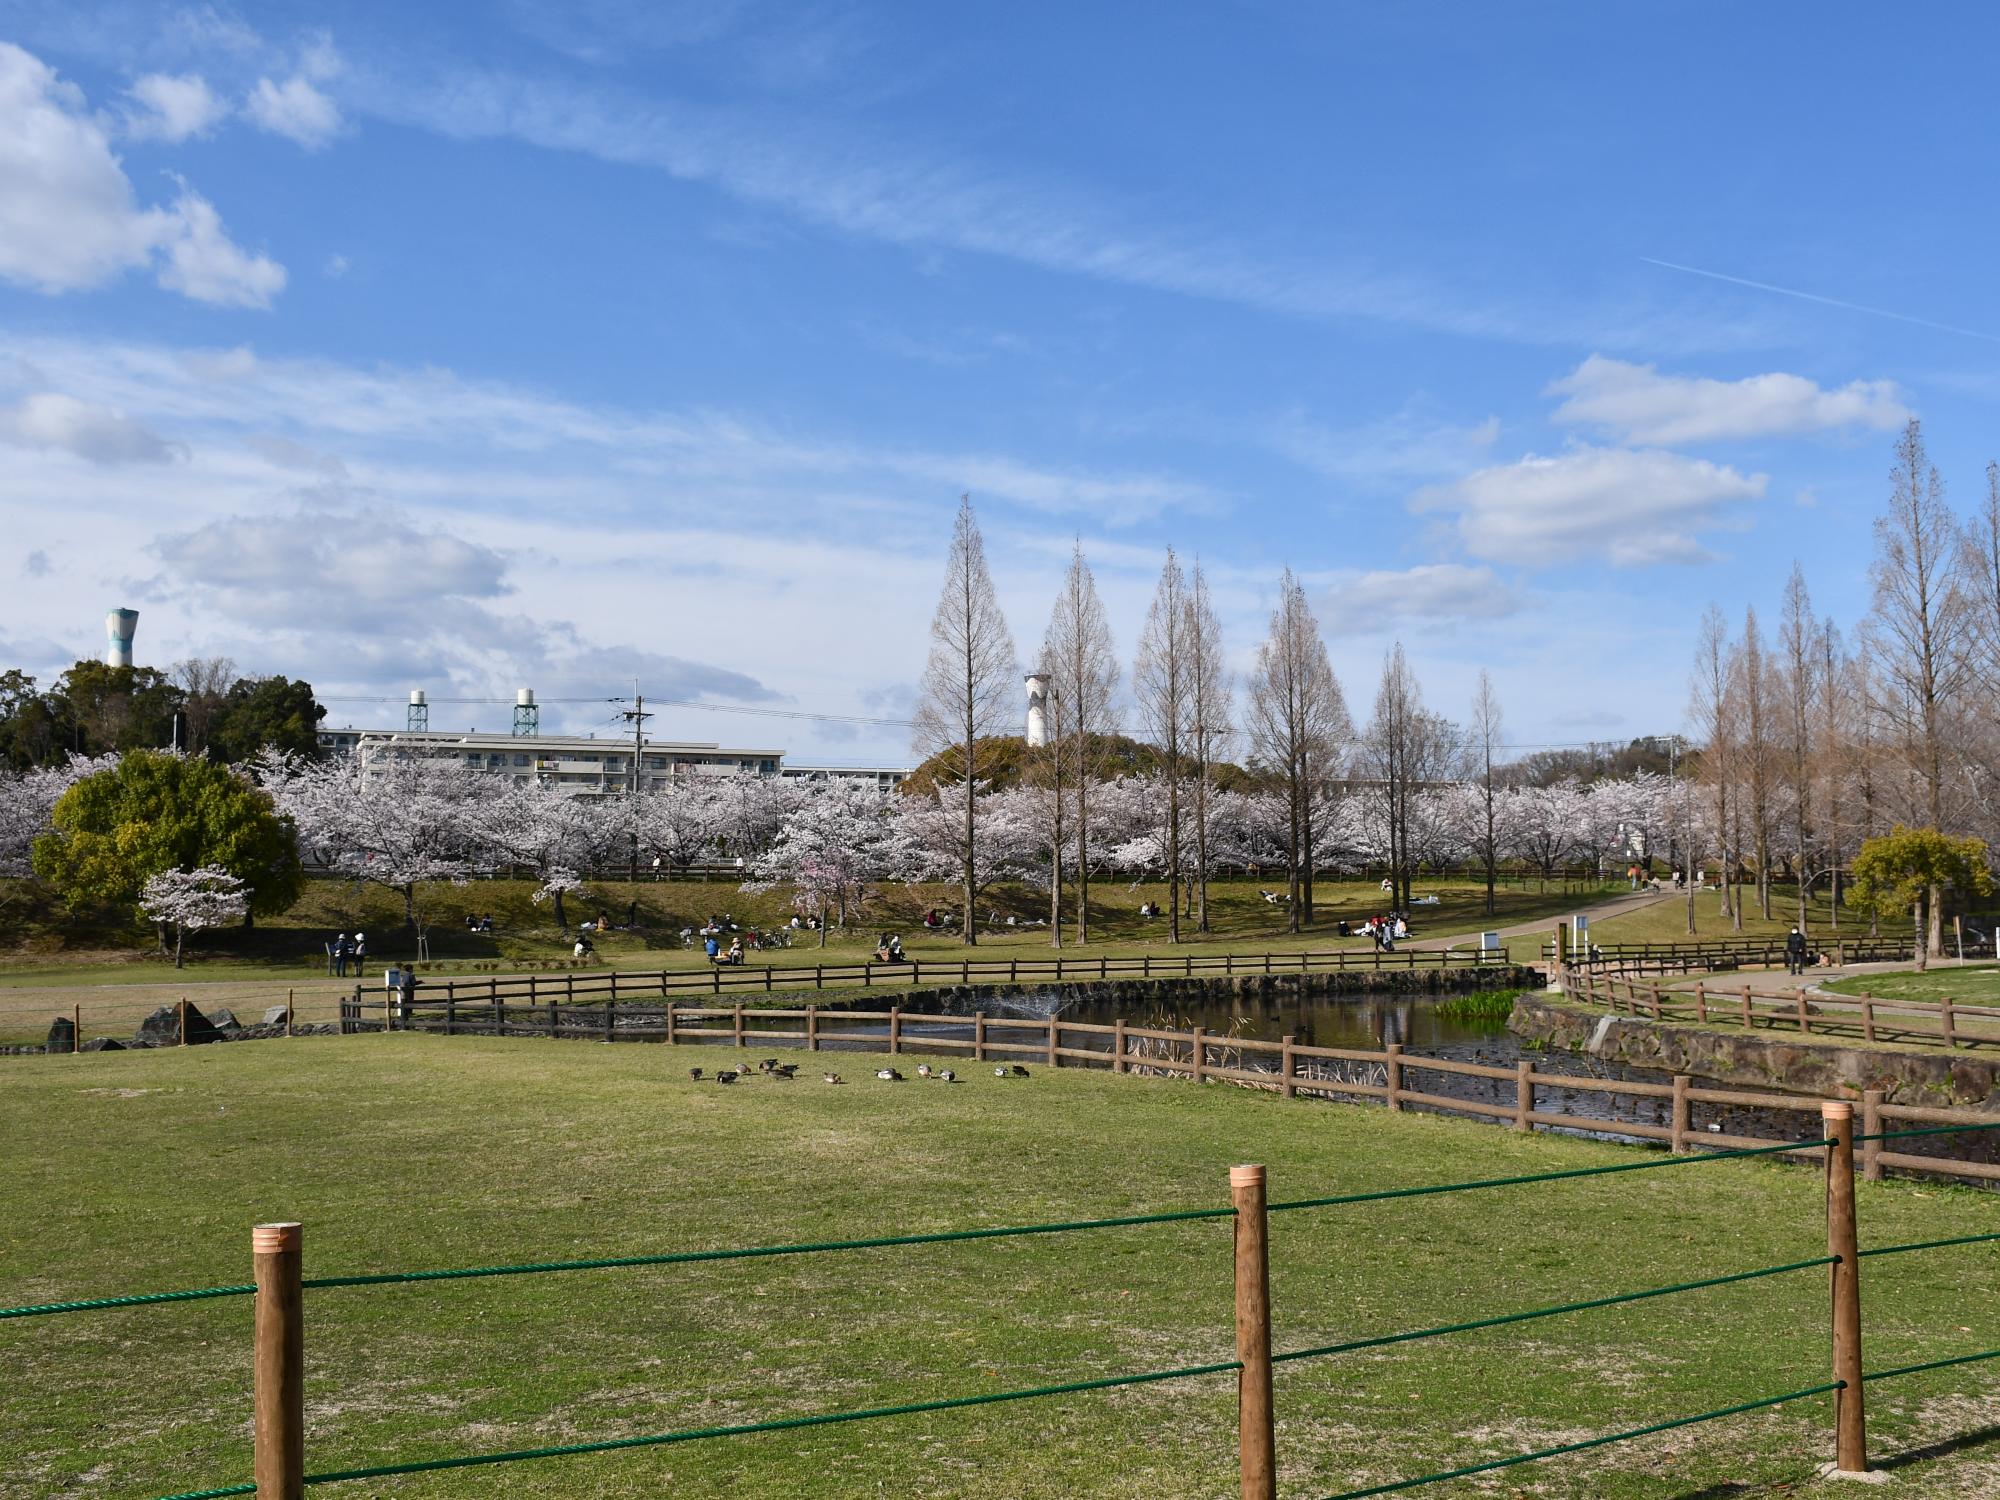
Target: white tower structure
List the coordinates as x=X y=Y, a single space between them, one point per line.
x=527 y=715
x=419 y=716
x=118 y=628
x=1038 y=710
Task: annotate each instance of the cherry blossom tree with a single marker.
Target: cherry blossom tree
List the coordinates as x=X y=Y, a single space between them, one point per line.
x=193 y=901
x=841 y=837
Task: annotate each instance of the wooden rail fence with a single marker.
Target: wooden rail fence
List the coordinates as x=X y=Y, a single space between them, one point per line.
x=913 y=973
x=1288 y=1067
x=1820 y=1013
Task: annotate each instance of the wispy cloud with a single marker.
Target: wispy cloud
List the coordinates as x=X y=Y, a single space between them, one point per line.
x=1786 y=291
x=1637 y=404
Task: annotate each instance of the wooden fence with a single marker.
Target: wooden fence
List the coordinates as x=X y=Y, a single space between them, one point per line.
x=915 y=972
x=1693 y=957
x=1287 y=1067
x=1820 y=1013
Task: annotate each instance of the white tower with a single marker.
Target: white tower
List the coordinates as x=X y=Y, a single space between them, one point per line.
x=1038 y=710
x=118 y=628
x=418 y=720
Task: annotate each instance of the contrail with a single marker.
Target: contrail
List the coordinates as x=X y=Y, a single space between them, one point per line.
x=1785 y=291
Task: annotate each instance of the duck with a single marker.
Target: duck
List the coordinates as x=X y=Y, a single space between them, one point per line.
x=768 y=1065
x=725 y=1076
x=785 y=1070
x=888 y=1075
x=923 y=1070
x=833 y=1078
x=695 y=1074
x=1019 y=1071
x=1000 y=1072
x=742 y=1068
x=948 y=1076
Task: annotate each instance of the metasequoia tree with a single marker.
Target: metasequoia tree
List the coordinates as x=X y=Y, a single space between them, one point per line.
x=1297 y=724
x=1484 y=736
x=1083 y=675
x=1711 y=704
x=1800 y=669
x=1753 y=677
x=968 y=687
x=203 y=682
x=1406 y=746
x=1162 y=681
x=1208 y=679
x=1922 y=627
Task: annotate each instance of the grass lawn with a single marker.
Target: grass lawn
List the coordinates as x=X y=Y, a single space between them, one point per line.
x=144 y=1171
x=1974 y=984
x=48 y=950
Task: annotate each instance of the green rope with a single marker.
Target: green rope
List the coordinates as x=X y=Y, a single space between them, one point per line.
x=1903 y=1135
x=94 y=1304
x=684 y=1257
x=228 y=1489
x=1963 y=1239
x=779 y=1424
x=1549 y=1312
x=1596 y=1442
x=1493 y=1182
x=1931 y=1364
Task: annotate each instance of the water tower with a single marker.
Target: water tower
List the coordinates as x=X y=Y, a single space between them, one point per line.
x=1038 y=709
x=527 y=714
x=119 y=626
x=419 y=719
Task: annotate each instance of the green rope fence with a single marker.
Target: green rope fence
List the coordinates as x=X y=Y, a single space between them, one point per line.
x=1494 y=1182
x=1587 y=1443
x=1903 y=1135
x=776 y=1424
x=1549 y=1312
x=141 y=1299
x=1931 y=1364
x=1962 y=1239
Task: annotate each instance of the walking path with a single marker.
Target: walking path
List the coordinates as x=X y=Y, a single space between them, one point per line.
x=1616 y=906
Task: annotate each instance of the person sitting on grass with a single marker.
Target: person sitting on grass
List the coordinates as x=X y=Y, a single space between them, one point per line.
x=712 y=948
x=583 y=949
x=735 y=954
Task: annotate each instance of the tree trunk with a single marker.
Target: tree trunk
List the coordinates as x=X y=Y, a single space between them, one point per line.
x=179 y=934
x=562 y=921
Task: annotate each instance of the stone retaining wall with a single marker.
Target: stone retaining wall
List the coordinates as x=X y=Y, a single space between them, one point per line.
x=1737 y=1058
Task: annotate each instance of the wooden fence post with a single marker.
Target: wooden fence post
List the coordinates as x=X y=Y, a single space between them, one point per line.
x=739 y=1025
x=1700 y=1002
x=895 y=1028
x=1392 y=1072
x=1868 y=1018
x=279 y=1361
x=1524 y=1094
x=1256 y=1438
x=1055 y=1042
x=1803 y=1017
x=610 y=1021
x=184 y=1022
x=76 y=1025
x=1200 y=1053
x=979 y=1036
x=1944 y=1021
x=1850 y=1429
x=1871 y=1124
x=812 y=1028
x=1679 y=1140
x=1749 y=1023
x=1286 y=1071
x=1118 y=1044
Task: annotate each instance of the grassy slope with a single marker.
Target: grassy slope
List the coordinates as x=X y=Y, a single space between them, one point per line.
x=49 y=949
x=146 y=1170
x=1666 y=922
x=1973 y=984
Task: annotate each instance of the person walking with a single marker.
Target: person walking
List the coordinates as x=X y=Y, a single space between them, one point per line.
x=340 y=955
x=1795 y=952
x=360 y=954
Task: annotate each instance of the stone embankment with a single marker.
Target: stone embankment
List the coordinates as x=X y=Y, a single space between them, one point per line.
x=162 y=1028
x=1737 y=1058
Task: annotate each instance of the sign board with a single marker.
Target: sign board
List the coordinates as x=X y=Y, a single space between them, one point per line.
x=1489 y=942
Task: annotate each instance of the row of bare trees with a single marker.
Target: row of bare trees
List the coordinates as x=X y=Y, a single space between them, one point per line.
x=1813 y=742
x=1296 y=730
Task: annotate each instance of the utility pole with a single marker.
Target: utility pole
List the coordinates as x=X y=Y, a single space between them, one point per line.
x=638 y=715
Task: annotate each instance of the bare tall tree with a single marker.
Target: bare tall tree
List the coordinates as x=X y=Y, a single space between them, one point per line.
x=1083 y=676
x=1754 y=675
x=1208 y=721
x=1485 y=731
x=969 y=683
x=204 y=681
x=1162 y=680
x=1835 y=757
x=1407 y=747
x=1800 y=670
x=1297 y=722
x=1710 y=709
x=1922 y=626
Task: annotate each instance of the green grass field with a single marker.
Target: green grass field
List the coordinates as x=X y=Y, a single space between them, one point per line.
x=1666 y=921
x=46 y=947
x=1974 y=984
x=145 y=1171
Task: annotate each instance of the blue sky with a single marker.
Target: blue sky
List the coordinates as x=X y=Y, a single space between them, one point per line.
x=462 y=347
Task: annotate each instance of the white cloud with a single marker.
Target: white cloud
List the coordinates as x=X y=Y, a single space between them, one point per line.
x=1637 y=404
x=296 y=108
x=1629 y=507
x=204 y=263
x=68 y=217
x=99 y=434
x=1433 y=594
x=173 y=107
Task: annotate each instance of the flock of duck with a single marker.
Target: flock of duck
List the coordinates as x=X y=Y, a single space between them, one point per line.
x=770 y=1067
